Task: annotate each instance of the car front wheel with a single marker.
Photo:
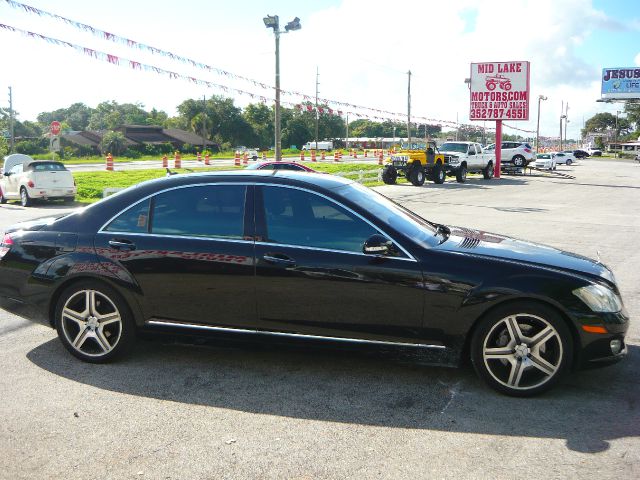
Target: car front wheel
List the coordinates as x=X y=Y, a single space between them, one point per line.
x=94 y=322
x=461 y=174
x=417 y=177
x=389 y=175
x=522 y=349
x=438 y=174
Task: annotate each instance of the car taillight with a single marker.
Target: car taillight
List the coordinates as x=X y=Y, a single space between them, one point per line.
x=31 y=184
x=5 y=246
x=528 y=150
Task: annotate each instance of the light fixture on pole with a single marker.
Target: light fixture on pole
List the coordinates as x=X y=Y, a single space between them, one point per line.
x=540 y=97
x=273 y=21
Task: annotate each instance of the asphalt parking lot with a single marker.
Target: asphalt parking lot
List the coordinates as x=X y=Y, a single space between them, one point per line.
x=174 y=411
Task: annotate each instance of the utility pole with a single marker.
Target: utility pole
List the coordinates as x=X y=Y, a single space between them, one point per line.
x=566 y=120
x=561 y=117
x=12 y=138
x=540 y=97
x=346 y=138
x=317 y=113
x=409 y=109
x=204 y=122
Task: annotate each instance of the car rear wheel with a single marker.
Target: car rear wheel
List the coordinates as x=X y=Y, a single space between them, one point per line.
x=25 y=200
x=461 y=174
x=417 y=176
x=94 y=323
x=518 y=161
x=522 y=349
x=569 y=162
x=488 y=171
x=438 y=174
x=389 y=175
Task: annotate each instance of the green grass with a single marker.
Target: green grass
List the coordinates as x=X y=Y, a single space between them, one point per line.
x=91 y=184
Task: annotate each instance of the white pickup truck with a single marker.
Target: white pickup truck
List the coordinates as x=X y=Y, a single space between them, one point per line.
x=467 y=157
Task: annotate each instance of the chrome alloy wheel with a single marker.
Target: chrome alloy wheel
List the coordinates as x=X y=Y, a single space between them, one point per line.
x=522 y=351
x=91 y=323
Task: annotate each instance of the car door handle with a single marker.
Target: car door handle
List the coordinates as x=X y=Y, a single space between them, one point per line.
x=122 y=244
x=278 y=259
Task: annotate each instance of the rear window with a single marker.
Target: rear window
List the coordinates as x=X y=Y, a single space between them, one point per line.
x=46 y=167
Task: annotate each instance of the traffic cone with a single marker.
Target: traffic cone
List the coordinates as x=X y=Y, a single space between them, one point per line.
x=322 y=157
x=165 y=162
x=245 y=158
x=177 y=161
x=302 y=155
x=109 y=162
x=199 y=157
x=236 y=161
x=313 y=155
x=380 y=158
x=206 y=159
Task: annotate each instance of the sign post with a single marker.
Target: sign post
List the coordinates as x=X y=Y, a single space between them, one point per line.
x=499 y=91
x=54 y=138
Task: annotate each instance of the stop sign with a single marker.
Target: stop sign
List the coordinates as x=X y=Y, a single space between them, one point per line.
x=55 y=127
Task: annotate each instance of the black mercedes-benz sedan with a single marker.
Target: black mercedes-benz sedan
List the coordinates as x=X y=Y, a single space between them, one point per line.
x=312 y=258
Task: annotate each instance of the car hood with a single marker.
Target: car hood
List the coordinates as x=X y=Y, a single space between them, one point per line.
x=476 y=242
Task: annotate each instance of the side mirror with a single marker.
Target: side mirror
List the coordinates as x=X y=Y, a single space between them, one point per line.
x=6 y=174
x=377 y=245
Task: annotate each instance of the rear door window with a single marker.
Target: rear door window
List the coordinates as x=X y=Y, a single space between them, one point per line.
x=200 y=211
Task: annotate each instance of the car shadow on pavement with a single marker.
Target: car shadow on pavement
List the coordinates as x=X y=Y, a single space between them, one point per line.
x=471 y=183
x=390 y=389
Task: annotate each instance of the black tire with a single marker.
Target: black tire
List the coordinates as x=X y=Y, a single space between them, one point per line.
x=68 y=199
x=438 y=174
x=461 y=174
x=417 y=176
x=518 y=161
x=488 y=171
x=97 y=325
x=522 y=349
x=569 y=162
x=389 y=175
x=25 y=199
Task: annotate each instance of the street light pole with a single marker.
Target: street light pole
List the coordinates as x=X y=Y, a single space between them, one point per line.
x=616 y=139
x=540 y=97
x=273 y=21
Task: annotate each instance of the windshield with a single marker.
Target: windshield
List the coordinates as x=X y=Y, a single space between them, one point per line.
x=454 y=147
x=413 y=146
x=390 y=213
x=544 y=155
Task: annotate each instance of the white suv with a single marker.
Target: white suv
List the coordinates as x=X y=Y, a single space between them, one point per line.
x=514 y=154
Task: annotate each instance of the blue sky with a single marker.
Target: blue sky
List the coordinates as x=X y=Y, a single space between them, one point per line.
x=362 y=49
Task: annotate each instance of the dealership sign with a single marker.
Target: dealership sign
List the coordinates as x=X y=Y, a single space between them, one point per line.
x=499 y=91
x=621 y=82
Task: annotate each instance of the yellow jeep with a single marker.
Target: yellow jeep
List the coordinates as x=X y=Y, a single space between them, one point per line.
x=416 y=161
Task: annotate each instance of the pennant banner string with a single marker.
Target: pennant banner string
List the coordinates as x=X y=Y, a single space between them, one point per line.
x=135 y=65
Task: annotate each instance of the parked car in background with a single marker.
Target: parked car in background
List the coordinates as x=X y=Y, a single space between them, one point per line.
x=26 y=179
x=580 y=154
x=324 y=145
x=546 y=161
x=281 y=166
x=515 y=155
x=310 y=259
x=565 y=158
x=594 y=152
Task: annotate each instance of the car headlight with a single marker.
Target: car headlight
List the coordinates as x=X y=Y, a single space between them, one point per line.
x=599 y=298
